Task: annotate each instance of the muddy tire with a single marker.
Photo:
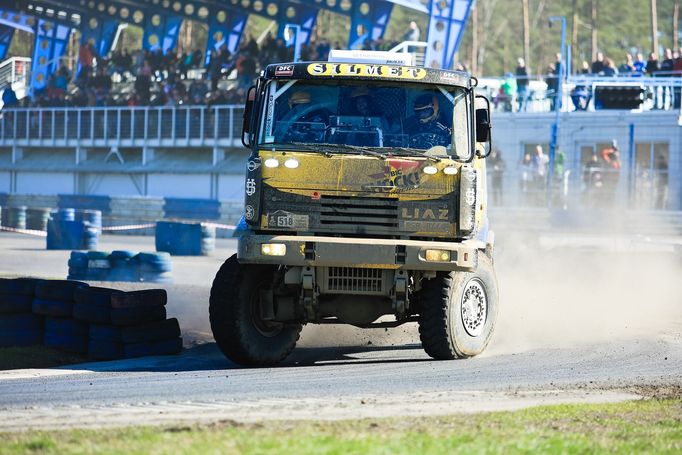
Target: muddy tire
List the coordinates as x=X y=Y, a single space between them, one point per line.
x=459 y=312
x=237 y=328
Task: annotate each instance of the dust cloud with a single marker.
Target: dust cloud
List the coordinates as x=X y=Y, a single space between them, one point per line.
x=568 y=289
x=562 y=288
x=558 y=288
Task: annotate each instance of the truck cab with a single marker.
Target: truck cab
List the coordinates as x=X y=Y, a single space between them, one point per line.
x=364 y=205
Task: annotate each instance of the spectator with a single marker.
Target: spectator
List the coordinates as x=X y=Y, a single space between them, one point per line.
x=609 y=69
x=9 y=98
x=666 y=70
x=667 y=64
x=584 y=68
x=101 y=85
x=652 y=64
x=598 y=64
x=611 y=157
x=413 y=33
x=198 y=91
x=651 y=70
x=522 y=83
x=143 y=83
x=639 y=64
x=627 y=66
x=86 y=58
x=508 y=91
x=497 y=168
x=552 y=81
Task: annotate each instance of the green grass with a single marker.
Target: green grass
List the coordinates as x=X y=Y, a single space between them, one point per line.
x=644 y=426
x=36 y=357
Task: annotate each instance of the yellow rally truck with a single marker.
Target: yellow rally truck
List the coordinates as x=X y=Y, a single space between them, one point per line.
x=365 y=205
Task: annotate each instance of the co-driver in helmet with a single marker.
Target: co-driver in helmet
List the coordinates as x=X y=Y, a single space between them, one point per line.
x=427 y=127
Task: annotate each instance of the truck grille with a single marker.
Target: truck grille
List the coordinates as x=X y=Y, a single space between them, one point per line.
x=355 y=280
x=368 y=213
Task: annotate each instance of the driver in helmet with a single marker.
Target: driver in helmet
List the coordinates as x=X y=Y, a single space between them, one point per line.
x=304 y=121
x=427 y=127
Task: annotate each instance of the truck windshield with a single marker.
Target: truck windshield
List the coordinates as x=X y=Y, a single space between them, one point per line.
x=373 y=115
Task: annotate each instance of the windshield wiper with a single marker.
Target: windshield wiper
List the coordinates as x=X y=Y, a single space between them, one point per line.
x=294 y=146
x=406 y=151
x=358 y=148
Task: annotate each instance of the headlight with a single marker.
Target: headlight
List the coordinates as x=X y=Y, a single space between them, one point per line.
x=450 y=170
x=291 y=163
x=437 y=255
x=430 y=170
x=271 y=162
x=273 y=249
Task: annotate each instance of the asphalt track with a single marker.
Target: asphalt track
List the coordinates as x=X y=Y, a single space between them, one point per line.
x=575 y=326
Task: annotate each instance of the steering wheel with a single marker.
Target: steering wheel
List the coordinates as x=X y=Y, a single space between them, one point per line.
x=427 y=140
x=284 y=126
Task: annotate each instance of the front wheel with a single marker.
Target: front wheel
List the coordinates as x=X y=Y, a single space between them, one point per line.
x=234 y=311
x=459 y=312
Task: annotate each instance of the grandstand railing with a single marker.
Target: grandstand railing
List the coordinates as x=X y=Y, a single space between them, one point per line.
x=178 y=126
x=663 y=92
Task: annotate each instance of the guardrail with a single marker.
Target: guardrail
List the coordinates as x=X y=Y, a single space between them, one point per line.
x=661 y=93
x=178 y=126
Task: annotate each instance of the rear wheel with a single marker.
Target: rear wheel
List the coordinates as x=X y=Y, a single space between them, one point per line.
x=234 y=308
x=459 y=312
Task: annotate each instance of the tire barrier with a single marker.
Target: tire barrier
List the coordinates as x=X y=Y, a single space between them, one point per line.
x=67 y=335
x=14 y=217
x=192 y=209
x=122 y=265
x=64 y=214
x=55 y=298
x=185 y=239
x=20 y=330
x=18 y=326
x=94 y=217
x=138 y=326
x=119 y=215
x=36 y=218
x=71 y=235
x=85 y=202
x=103 y=323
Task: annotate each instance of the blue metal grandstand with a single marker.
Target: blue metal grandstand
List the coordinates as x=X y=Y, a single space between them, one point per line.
x=98 y=20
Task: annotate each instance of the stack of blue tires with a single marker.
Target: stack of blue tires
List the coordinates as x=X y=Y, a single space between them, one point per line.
x=127 y=324
x=185 y=239
x=14 y=217
x=18 y=325
x=36 y=218
x=55 y=300
x=71 y=235
x=121 y=265
x=154 y=267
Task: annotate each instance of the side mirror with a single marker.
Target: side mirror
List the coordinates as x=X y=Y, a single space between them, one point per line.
x=483 y=127
x=248 y=113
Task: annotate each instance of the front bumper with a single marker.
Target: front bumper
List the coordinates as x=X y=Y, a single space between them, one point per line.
x=314 y=251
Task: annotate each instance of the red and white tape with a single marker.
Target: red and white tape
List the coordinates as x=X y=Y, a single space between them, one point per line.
x=24 y=231
x=220 y=226
x=128 y=227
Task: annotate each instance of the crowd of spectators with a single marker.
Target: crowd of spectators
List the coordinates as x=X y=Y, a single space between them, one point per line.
x=155 y=78
x=514 y=92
